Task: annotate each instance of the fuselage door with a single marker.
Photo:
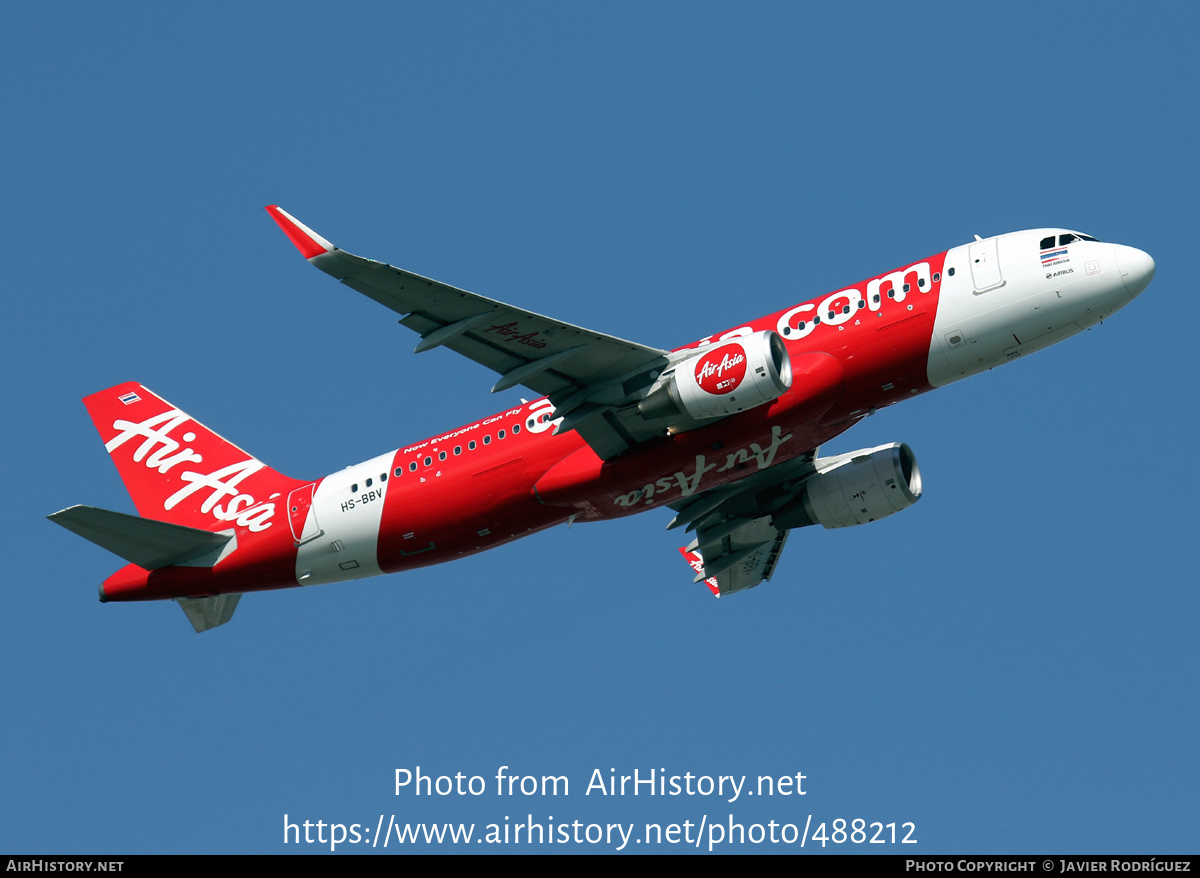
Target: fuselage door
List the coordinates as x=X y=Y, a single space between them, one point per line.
x=301 y=515
x=985 y=265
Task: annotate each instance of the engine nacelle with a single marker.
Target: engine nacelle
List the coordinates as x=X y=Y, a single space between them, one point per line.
x=855 y=488
x=723 y=379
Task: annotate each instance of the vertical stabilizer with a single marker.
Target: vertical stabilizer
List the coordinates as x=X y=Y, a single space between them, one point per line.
x=179 y=471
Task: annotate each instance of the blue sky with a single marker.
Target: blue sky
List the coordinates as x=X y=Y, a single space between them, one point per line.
x=1011 y=664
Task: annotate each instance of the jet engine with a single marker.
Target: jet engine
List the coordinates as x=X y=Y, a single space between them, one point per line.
x=722 y=379
x=855 y=488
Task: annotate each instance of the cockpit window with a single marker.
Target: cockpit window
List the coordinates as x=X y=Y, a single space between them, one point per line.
x=1065 y=239
x=1071 y=238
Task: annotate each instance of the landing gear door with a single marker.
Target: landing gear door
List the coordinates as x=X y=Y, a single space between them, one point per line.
x=985 y=265
x=301 y=515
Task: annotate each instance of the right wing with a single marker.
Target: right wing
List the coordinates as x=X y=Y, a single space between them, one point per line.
x=737 y=544
x=741 y=528
x=592 y=379
x=745 y=558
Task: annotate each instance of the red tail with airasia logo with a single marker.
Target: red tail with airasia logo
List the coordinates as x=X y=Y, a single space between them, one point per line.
x=178 y=470
x=202 y=501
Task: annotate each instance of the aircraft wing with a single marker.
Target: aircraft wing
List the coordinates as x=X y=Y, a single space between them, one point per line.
x=745 y=558
x=737 y=544
x=589 y=376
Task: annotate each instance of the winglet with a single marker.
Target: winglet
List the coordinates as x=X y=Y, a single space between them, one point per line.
x=308 y=242
x=697 y=563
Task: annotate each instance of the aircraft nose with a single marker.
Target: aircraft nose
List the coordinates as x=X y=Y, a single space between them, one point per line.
x=1137 y=268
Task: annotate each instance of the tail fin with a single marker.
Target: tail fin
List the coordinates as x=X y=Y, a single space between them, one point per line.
x=179 y=471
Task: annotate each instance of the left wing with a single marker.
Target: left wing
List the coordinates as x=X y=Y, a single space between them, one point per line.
x=593 y=379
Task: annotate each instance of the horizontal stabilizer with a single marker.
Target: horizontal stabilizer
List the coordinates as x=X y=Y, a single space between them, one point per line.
x=205 y=613
x=145 y=542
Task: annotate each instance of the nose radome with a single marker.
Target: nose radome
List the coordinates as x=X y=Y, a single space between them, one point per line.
x=1137 y=268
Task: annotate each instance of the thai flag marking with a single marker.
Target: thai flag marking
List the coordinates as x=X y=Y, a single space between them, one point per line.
x=129 y=398
x=1049 y=256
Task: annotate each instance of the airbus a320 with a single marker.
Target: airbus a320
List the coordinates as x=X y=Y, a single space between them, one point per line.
x=725 y=431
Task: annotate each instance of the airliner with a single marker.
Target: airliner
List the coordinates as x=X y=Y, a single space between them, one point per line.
x=725 y=432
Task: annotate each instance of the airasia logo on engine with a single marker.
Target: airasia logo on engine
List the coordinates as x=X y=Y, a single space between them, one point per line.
x=722 y=370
